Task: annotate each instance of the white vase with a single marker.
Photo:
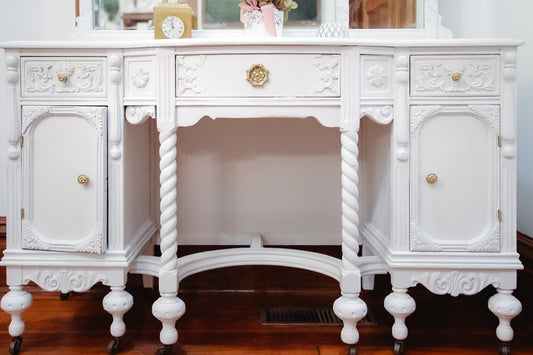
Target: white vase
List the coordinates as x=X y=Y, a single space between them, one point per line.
x=257 y=24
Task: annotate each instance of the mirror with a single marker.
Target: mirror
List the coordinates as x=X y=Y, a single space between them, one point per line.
x=224 y=14
x=389 y=19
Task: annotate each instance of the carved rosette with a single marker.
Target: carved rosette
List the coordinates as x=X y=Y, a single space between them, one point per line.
x=377 y=76
x=455 y=282
x=187 y=69
x=140 y=78
x=329 y=74
x=64 y=280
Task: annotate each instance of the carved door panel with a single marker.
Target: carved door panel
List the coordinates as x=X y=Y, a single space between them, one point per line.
x=455 y=183
x=64 y=178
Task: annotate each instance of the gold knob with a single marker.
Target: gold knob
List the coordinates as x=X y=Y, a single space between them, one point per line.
x=431 y=178
x=83 y=179
x=62 y=78
x=257 y=75
x=457 y=76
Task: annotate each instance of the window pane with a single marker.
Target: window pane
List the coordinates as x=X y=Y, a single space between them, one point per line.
x=221 y=14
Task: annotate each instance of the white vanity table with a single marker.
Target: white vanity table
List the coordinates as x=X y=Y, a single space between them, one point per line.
x=428 y=179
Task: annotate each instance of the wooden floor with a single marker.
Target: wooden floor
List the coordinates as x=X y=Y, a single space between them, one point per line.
x=223 y=308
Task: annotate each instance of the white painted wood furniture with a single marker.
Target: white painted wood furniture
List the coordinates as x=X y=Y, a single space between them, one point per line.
x=428 y=148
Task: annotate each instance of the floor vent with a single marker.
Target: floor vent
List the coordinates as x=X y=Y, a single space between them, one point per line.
x=306 y=316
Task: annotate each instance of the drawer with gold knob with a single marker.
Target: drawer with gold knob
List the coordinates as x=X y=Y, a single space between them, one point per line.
x=258 y=75
x=463 y=75
x=63 y=77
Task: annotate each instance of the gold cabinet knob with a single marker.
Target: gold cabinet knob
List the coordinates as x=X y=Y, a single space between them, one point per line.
x=431 y=178
x=83 y=179
x=457 y=76
x=62 y=78
x=257 y=75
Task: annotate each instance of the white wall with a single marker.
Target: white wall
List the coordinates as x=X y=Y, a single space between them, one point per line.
x=249 y=208
x=505 y=19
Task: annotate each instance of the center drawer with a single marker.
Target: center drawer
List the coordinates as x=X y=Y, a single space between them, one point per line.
x=258 y=75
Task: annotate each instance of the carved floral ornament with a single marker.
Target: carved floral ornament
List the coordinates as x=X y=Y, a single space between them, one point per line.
x=64 y=77
x=140 y=78
x=377 y=76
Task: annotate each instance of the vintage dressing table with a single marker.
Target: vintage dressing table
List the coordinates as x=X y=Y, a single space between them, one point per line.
x=428 y=181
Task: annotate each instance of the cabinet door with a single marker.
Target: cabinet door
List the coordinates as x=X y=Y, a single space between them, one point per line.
x=454 y=183
x=64 y=178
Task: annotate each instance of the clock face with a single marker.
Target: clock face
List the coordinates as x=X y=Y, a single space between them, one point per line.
x=173 y=27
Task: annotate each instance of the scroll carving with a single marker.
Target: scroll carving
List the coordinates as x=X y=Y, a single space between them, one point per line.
x=455 y=282
x=379 y=114
x=139 y=114
x=436 y=76
x=65 y=280
x=79 y=77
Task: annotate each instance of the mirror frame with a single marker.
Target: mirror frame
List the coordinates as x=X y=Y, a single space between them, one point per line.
x=432 y=27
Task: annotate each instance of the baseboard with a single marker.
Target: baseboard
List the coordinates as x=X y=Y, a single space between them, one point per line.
x=524 y=291
x=2 y=227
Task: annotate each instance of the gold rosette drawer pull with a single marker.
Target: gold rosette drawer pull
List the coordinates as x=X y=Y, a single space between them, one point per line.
x=257 y=75
x=431 y=178
x=83 y=179
x=457 y=76
x=62 y=78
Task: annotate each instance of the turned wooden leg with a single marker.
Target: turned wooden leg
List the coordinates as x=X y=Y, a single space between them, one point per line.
x=505 y=306
x=349 y=307
x=400 y=305
x=168 y=308
x=117 y=303
x=15 y=302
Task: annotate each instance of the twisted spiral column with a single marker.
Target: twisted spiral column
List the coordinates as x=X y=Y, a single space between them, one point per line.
x=349 y=307
x=168 y=308
x=168 y=206
x=350 y=200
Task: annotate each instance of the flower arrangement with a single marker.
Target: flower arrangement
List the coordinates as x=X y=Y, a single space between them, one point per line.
x=283 y=5
x=269 y=14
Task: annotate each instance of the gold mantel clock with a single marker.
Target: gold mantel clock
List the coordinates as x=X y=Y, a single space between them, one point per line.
x=172 y=19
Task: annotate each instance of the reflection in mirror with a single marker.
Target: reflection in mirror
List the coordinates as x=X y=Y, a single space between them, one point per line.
x=211 y=14
x=385 y=13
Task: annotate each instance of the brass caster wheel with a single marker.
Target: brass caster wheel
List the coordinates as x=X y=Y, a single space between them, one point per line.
x=164 y=350
x=14 y=347
x=114 y=346
x=505 y=349
x=64 y=296
x=352 y=350
x=398 y=347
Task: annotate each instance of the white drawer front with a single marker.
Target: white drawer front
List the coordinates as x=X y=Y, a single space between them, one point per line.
x=289 y=75
x=474 y=75
x=64 y=77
